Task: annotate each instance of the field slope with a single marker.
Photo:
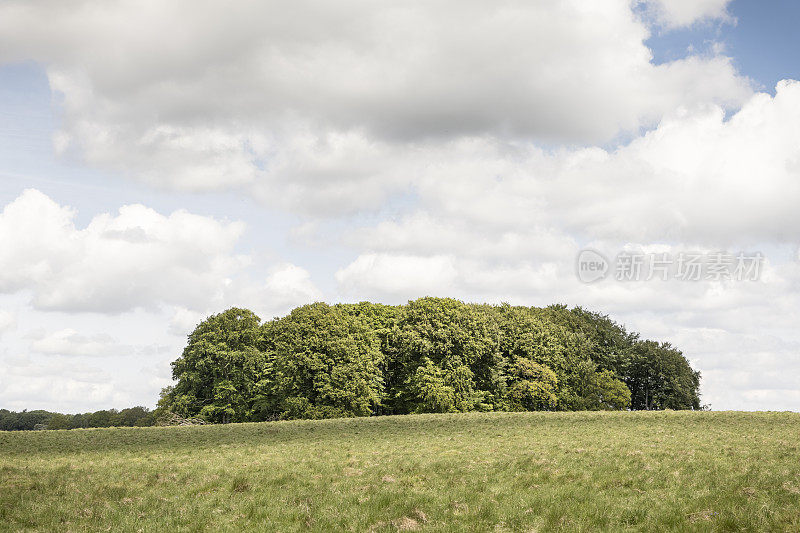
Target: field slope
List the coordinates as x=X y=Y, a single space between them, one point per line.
x=639 y=471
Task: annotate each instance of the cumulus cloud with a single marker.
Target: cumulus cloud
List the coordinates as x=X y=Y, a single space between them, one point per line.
x=299 y=99
x=744 y=371
x=70 y=342
x=8 y=321
x=183 y=321
x=705 y=302
x=425 y=233
x=284 y=287
x=677 y=13
x=393 y=274
x=58 y=385
x=289 y=284
x=698 y=178
x=136 y=258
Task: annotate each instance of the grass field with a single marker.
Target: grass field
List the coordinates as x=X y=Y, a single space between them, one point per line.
x=641 y=471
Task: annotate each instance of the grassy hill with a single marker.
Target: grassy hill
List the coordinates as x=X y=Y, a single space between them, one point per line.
x=583 y=471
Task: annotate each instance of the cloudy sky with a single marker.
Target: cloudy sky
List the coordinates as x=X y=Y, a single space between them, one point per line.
x=160 y=162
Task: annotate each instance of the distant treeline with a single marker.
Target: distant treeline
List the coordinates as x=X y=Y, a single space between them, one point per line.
x=431 y=355
x=28 y=420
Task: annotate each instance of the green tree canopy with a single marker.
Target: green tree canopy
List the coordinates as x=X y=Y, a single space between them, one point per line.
x=219 y=368
x=326 y=363
x=430 y=355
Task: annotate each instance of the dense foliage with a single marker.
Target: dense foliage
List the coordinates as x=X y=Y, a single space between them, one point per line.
x=29 y=420
x=431 y=355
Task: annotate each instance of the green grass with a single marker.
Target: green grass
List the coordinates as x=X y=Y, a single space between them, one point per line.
x=665 y=471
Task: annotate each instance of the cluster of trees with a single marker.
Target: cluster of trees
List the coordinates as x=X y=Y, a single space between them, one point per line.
x=431 y=355
x=29 y=420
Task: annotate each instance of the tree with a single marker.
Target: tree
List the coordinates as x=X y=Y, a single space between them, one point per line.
x=430 y=355
x=609 y=344
x=593 y=390
x=327 y=363
x=533 y=387
x=429 y=390
x=219 y=368
x=59 y=421
x=135 y=416
x=660 y=377
x=610 y=393
x=450 y=334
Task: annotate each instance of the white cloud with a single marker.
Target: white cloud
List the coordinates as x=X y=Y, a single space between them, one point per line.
x=697 y=178
x=58 y=385
x=388 y=274
x=184 y=321
x=285 y=286
x=289 y=284
x=137 y=258
x=70 y=342
x=302 y=101
x=550 y=280
x=424 y=233
x=744 y=371
x=8 y=321
x=678 y=13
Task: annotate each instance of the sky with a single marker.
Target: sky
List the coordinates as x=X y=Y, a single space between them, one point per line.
x=162 y=162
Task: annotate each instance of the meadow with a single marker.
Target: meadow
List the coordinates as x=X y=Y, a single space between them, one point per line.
x=533 y=471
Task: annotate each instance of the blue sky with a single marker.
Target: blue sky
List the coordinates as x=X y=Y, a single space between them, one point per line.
x=385 y=161
x=763 y=41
